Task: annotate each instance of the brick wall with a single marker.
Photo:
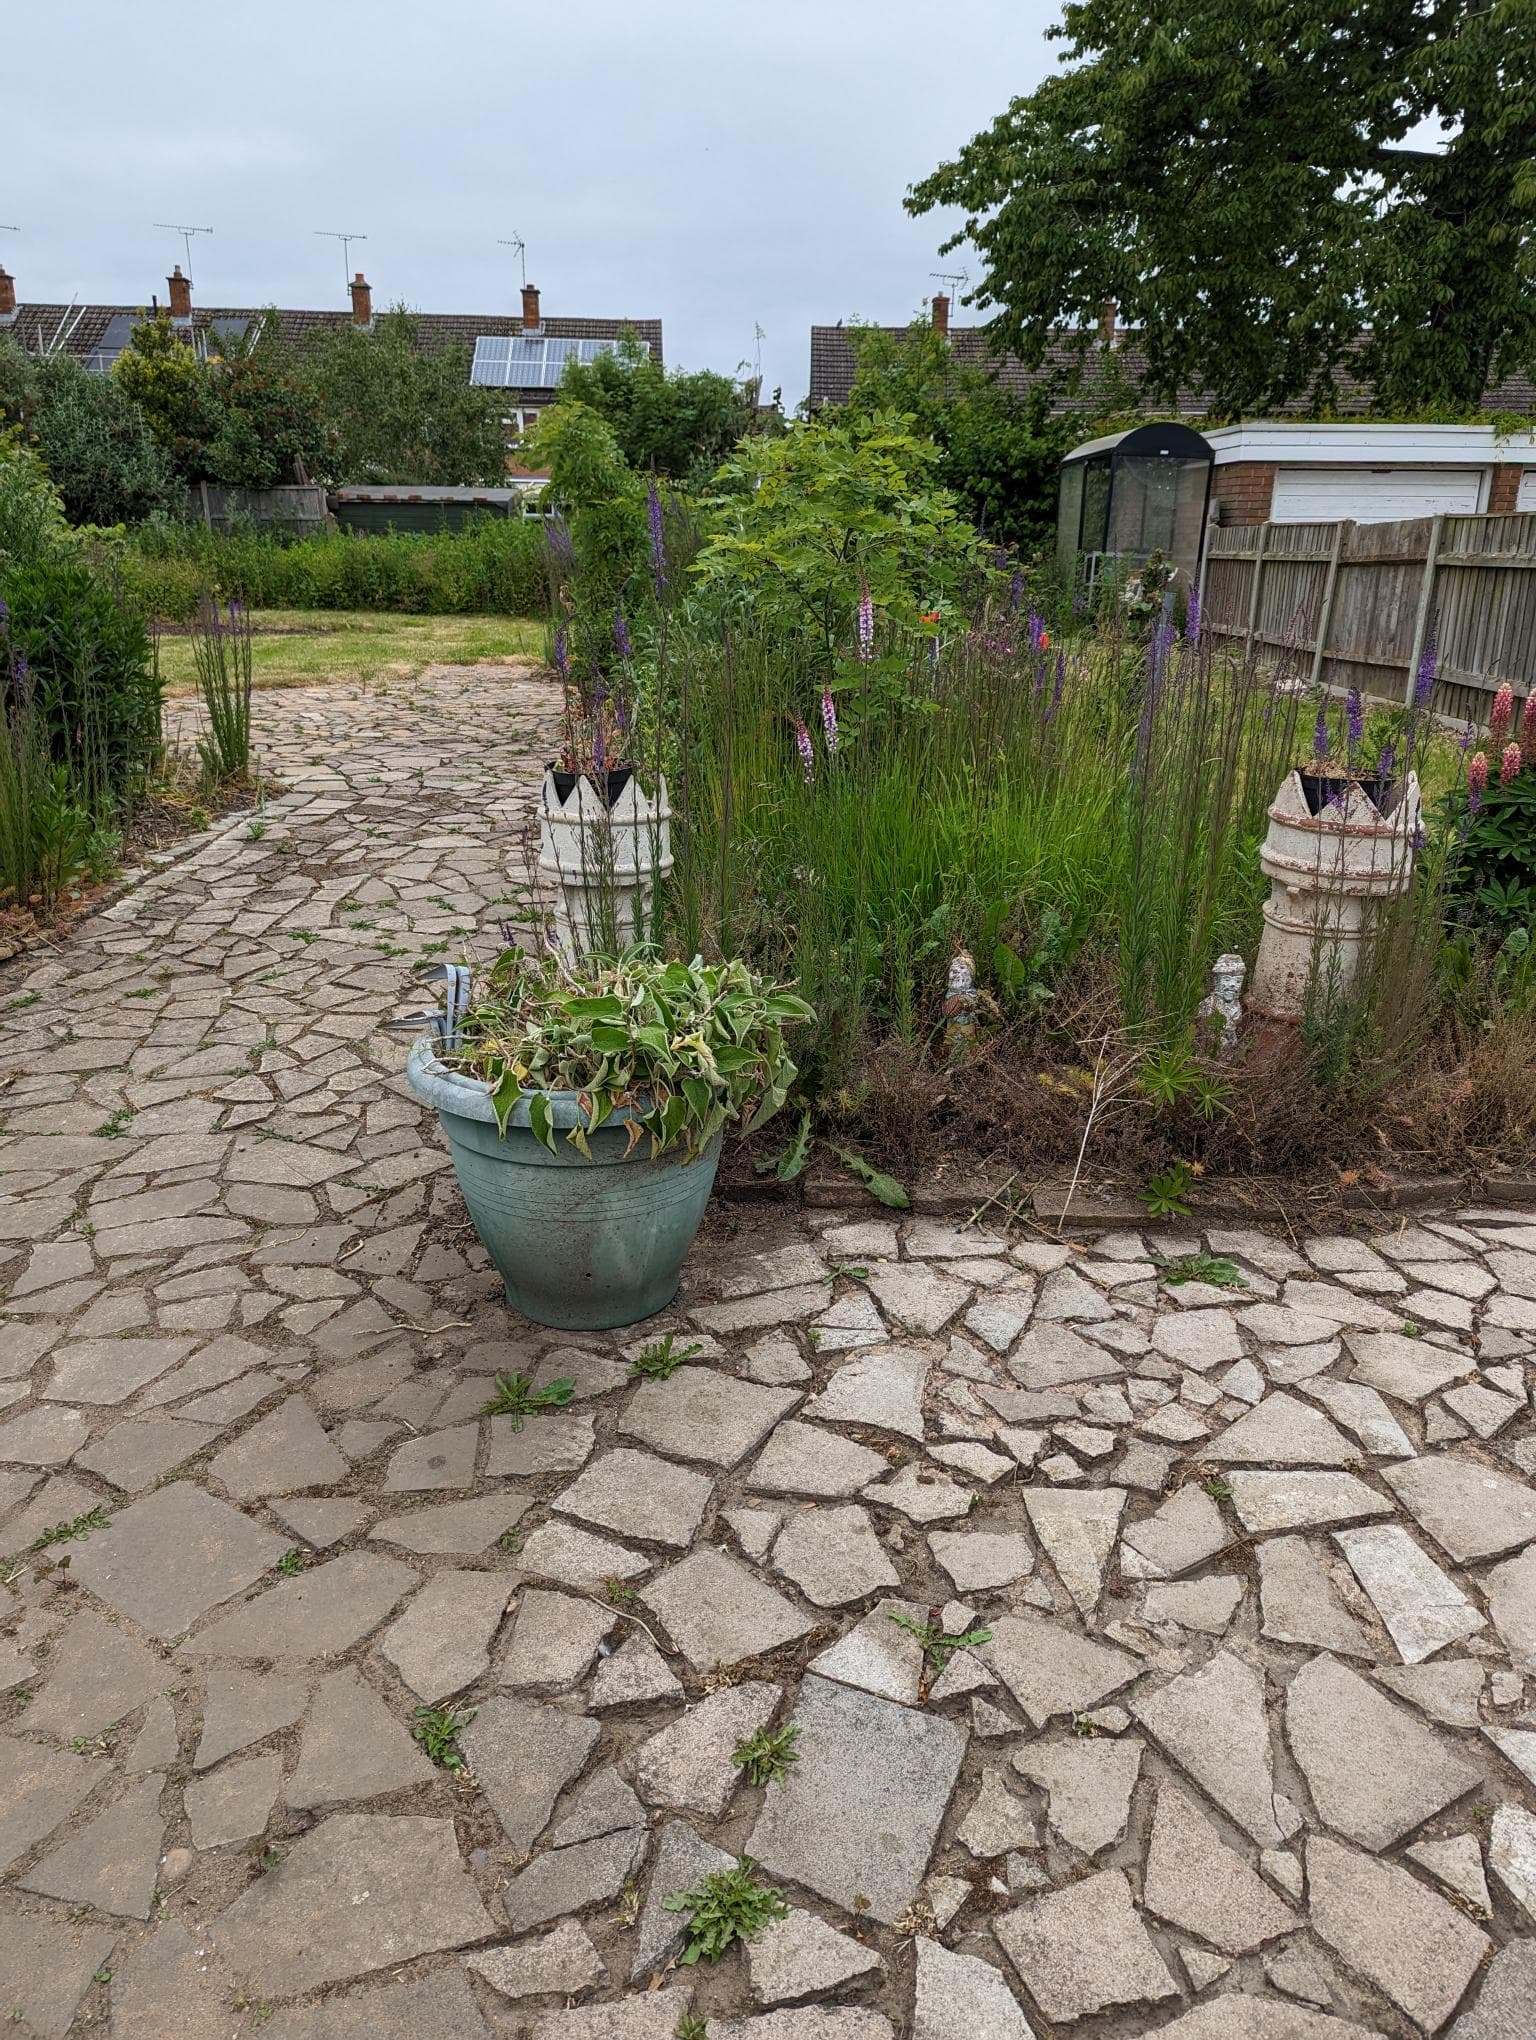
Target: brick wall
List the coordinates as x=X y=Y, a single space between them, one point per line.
x=1243 y=491
x=1503 y=489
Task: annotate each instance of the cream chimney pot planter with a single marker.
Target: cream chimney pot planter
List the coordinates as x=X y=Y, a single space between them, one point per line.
x=1330 y=874
x=601 y=864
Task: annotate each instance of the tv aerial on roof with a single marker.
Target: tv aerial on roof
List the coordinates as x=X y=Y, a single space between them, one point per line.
x=346 y=240
x=522 y=254
x=186 y=233
x=957 y=279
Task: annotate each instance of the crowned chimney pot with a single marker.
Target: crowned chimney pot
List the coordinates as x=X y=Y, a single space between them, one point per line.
x=362 y=300
x=1109 y=313
x=530 y=308
x=7 y=297
x=941 y=312
x=180 y=288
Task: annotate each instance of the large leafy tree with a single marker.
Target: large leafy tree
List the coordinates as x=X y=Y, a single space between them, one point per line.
x=1276 y=195
x=1000 y=450
x=401 y=412
x=680 y=424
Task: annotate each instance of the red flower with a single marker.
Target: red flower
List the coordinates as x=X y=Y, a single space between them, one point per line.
x=1502 y=713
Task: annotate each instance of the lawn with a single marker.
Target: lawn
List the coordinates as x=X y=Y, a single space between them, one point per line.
x=306 y=647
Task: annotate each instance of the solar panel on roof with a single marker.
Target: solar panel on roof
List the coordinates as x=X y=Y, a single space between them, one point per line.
x=514 y=361
x=115 y=336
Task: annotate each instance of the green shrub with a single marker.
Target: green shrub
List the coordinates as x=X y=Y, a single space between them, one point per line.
x=31 y=513
x=93 y=439
x=1494 y=874
x=89 y=668
x=493 y=566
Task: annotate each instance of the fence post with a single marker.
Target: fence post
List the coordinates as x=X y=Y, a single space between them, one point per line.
x=1426 y=605
x=1330 y=585
x=1256 y=590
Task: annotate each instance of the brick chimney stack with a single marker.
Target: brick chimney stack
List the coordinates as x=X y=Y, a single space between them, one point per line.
x=180 y=288
x=362 y=300
x=1109 y=313
x=7 y=297
x=941 y=312
x=530 y=308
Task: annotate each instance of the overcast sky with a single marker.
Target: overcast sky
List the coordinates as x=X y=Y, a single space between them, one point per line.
x=703 y=161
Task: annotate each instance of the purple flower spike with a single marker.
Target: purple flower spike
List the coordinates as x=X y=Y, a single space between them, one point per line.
x=1468 y=736
x=1016 y=590
x=1387 y=760
x=1061 y=681
x=803 y=745
x=1424 y=681
x=562 y=655
x=1192 y=613
x=658 y=540
x=829 y=721
x=562 y=551
x=1354 y=716
x=1320 y=734
x=866 y=621
x=621 y=632
x=1036 y=632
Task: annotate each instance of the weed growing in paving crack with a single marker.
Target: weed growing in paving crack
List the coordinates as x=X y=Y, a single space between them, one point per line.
x=663 y=1357
x=936 y=1646
x=437 y=1730
x=619 y=1594
x=853 y=1272
x=690 y=2028
x=1202 y=1267
x=728 y=1906
x=292 y=1562
x=116 y=1123
x=516 y=1397
x=767 y=1753
x=1217 y=1488
x=81 y=1527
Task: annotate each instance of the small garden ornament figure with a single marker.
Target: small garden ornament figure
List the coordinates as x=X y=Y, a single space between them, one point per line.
x=1222 y=1008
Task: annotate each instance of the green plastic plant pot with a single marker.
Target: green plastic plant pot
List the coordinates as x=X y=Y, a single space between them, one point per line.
x=581 y=1244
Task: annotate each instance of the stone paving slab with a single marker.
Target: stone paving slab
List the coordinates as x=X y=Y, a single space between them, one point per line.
x=1249 y=1753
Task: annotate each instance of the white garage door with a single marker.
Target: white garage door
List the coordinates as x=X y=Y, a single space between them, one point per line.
x=1373 y=495
x=1526 y=498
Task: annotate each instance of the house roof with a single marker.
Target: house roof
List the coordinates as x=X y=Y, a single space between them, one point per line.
x=81 y=329
x=1102 y=373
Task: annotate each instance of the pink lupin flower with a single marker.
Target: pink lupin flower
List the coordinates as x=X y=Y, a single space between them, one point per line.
x=1528 y=730
x=1477 y=780
x=829 y=721
x=1502 y=713
x=866 y=620
x=803 y=745
x=1509 y=764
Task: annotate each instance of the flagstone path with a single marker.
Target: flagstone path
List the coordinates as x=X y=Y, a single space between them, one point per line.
x=1249 y=1752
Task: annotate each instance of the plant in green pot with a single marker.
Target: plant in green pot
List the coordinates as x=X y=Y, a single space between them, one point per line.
x=585 y=1111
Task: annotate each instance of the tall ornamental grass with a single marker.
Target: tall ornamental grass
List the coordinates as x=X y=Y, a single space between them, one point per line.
x=1025 y=803
x=222 y=655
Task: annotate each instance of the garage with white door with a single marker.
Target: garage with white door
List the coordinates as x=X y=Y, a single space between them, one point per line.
x=1366 y=471
x=1318 y=495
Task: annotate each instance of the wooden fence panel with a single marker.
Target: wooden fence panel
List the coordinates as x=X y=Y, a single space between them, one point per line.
x=1352 y=604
